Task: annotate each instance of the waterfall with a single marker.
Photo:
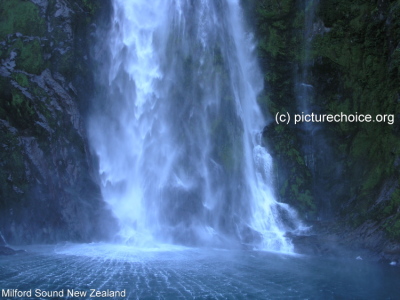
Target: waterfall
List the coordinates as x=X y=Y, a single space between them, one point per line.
x=177 y=130
x=304 y=90
x=318 y=155
x=2 y=240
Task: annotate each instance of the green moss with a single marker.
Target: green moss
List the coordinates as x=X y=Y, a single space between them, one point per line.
x=64 y=65
x=20 y=16
x=372 y=179
x=393 y=227
x=17 y=99
x=19 y=110
x=356 y=67
x=295 y=155
x=303 y=197
x=365 y=72
x=395 y=63
x=299 y=20
x=30 y=58
x=21 y=79
x=275 y=43
x=274 y=10
x=394 y=203
x=392 y=214
x=280 y=25
x=91 y=6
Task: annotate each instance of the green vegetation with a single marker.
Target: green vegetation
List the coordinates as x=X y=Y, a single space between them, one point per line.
x=359 y=48
x=21 y=79
x=355 y=68
x=90 y=6
x=20 y=16
x=388 y=211
x=37 y=136
x=29 y=56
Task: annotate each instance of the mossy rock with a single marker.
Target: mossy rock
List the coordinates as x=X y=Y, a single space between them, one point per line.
x=30 y=56
x=22 y=17
x=21 y=79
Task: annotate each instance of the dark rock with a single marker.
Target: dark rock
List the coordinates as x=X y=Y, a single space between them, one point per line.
x=313 y=244
x=4 y=250
x=249 y=236
x=48 y=186
x=338 y=239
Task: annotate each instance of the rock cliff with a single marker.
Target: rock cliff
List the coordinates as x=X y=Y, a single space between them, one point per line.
x=347 y=55
x=48 y=189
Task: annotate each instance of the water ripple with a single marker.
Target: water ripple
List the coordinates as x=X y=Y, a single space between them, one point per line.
x=182 y=273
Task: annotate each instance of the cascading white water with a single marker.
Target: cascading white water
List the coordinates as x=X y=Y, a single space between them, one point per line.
x=2 y=240
x=178 y=134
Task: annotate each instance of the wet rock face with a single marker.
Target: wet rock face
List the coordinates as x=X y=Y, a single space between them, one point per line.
x=337 y=239
x=352 y=174
x=47 y=189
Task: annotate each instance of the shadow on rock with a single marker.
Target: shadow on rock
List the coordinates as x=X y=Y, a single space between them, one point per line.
x=4 y=250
